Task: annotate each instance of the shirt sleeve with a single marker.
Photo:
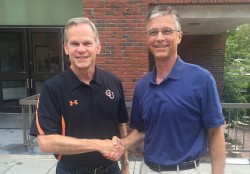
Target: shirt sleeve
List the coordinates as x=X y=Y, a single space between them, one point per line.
x=47 y=117
x=211 y=107
x=123 y=113
x=136 y=121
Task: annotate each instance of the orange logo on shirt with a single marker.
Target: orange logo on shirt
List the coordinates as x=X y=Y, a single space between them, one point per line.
x=73 y=102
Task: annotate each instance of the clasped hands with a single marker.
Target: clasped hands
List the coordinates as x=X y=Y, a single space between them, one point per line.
x=113 y=149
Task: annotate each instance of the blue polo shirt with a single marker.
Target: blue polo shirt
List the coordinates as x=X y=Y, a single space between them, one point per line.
x=176 y=114
x=69 y=107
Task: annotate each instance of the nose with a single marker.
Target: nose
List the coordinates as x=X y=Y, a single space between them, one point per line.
x=81 y=48
x=159 y=36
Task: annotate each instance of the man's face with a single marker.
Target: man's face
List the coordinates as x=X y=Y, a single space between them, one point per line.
x=81 y=47
x=163 y=45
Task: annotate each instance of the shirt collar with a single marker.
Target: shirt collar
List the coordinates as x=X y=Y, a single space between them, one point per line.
x=175 y=73
x=74 y=80
x=97 y=78
x=177 y=69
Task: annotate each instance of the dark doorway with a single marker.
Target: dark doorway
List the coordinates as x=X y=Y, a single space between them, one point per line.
x=28 y=56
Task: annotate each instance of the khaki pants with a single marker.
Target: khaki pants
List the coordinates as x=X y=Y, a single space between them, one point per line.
x=144 y=169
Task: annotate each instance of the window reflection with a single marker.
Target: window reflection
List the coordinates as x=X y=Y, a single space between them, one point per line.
x=46 y=52
x=14 y=90
x=11 y=52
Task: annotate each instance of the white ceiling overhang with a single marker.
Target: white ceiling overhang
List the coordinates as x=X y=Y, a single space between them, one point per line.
x=212 y=19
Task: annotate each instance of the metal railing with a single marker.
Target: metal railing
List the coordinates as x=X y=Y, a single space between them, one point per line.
x=237 y=128
x=28 y=108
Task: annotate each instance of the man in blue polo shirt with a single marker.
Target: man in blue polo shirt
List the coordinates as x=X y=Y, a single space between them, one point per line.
x=81 y=109
x=176 y=109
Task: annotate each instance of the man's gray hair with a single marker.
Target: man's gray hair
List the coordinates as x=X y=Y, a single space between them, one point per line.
x=77 y=21
x=164 y=10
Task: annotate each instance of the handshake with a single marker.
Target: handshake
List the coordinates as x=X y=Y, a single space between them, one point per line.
x=112 y=149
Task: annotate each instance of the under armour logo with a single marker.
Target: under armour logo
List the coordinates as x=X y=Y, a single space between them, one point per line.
x=73 y=102
x=110 y=94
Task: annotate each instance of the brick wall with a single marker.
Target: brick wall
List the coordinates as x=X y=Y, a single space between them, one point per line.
x=121 y=24
x=207 y=51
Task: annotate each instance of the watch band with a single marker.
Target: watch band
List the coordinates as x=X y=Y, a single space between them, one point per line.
x=126 y=162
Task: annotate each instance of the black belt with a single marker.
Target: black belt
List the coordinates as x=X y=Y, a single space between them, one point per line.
x=99 y=170
x=181 y=166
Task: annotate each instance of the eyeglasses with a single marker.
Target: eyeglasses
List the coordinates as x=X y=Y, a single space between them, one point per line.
x=165 y=31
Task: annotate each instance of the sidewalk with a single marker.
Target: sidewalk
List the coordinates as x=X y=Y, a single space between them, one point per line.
x=27 y=164
x=45 y=164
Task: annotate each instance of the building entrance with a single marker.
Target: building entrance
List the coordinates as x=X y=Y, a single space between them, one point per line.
x=28 y=56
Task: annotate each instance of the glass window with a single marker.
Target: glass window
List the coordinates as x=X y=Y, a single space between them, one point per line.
x=14 y=90
x=11 y=52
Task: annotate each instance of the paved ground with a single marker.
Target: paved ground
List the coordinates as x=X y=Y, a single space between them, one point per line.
x=15 y=158
x=45 y=164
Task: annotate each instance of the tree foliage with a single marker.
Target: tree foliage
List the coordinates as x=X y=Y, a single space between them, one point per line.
x=237 y=65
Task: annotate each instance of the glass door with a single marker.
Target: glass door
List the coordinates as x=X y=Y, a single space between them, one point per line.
x=28 y=57
x=45 y=47
x=14 y=70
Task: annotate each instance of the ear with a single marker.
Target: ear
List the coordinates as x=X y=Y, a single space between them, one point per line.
x=66 y=49
x=98 y=48
x=180 y=34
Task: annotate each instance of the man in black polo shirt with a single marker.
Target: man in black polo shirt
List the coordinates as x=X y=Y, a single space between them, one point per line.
x=81 y=109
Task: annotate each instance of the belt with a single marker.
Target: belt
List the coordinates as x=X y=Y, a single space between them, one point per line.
x=99 y=170
x=181 y=166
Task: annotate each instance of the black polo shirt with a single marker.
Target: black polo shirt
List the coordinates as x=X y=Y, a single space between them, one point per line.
x=69 y=107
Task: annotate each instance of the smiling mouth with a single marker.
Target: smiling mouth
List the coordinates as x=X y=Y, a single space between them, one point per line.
x=81 y=57
x=160 y=46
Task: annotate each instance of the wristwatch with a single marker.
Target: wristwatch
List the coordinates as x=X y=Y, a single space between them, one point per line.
x=126 y=163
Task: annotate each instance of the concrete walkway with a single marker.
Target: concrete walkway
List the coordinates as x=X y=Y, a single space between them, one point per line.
x=45 y=164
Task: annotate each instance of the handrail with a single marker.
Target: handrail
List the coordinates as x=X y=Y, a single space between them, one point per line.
x=236 y=105
x=32 y=100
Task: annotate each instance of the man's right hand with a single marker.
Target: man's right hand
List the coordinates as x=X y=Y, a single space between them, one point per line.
x=118 y=151
x=112 y=149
